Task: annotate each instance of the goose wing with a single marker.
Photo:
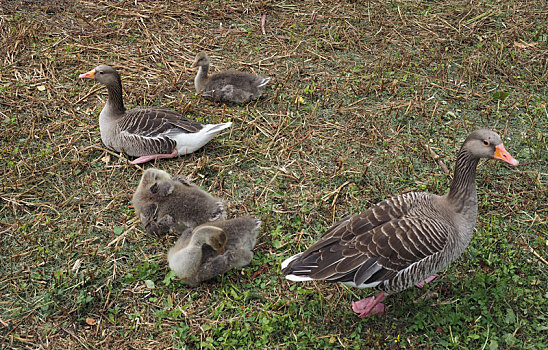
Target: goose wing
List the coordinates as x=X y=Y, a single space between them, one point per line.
x=365 y=249
x=146 y=131
x=157 y=122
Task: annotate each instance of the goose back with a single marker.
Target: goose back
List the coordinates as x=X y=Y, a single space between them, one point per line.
x=145 y=131
x=391 y=246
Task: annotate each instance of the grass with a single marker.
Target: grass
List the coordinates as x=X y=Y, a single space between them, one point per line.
x=359 y=90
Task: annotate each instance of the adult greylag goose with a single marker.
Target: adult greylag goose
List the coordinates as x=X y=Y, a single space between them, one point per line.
x=163 y=203
x=229 y=86
x=403 y=240
x=148 y=133
x=213 y=248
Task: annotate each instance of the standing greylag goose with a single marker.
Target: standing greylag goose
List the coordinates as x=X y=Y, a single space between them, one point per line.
x=229 y=86
x=163 y=202
x=403 y=240
x=197 y=255
x=148 y=133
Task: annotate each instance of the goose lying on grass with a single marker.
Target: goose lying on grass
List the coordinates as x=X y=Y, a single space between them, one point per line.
x=148 y=133
x=214 y=248
x=163 y=203
x=403 y=240
x=228 y=86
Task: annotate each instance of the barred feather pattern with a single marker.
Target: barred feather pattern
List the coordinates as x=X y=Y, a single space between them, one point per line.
x=392 y=246
x=145 y=131
x=141 y=131
x=405 y=239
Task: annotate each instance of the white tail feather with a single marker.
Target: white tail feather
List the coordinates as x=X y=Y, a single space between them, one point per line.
x=264 y=82
x=190 y=142
x=298 y=278
x=216 y=128
x=288 y=260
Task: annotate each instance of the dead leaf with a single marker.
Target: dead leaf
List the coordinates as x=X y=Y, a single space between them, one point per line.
x=524 y=45
x=91 y=321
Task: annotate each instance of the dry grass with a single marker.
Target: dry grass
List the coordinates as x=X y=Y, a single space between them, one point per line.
x=364 y=97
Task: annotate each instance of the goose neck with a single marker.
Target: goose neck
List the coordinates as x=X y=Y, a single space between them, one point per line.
x=202 y=71
x=201 y=78
x=463 y=186
x=115 y=101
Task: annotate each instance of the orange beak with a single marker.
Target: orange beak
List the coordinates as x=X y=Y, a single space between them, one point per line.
x=89 y=75
x=502 y=154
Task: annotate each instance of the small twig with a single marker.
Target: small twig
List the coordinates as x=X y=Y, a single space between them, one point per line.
x=299 y=141
x=537 y=254
x=91 y=92
x=120 y=156
x=437 y=159
x=334 y=193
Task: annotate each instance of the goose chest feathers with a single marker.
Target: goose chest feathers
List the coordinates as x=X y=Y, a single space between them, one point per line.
x=228 y=86
x=403 y=240
x=148 y=133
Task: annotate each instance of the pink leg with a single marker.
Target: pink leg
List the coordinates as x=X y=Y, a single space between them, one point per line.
x=148 y=158
x=428 y=280
x=369 y=306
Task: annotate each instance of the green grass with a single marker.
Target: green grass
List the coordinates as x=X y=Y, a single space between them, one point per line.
x=357 y=94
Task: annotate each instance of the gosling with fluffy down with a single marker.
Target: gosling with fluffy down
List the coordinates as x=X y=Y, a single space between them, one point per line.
x=163 y=203
x=214 y=248
x=228 y=86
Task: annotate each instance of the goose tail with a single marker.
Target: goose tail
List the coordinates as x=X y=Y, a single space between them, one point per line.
x=263 y=82
x=286 y=270
x=216 y=128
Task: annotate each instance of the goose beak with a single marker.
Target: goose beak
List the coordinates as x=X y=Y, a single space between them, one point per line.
x=194 y=64
x=88 y=75
x=502 y=154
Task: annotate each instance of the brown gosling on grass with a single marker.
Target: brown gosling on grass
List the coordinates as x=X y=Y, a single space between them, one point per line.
x=229 y=86
x=200 y=254
x=163 y=203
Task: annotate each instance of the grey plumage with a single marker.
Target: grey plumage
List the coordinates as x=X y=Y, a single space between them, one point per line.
x=163 y=203
x=402 y=240
x=146 y=131
x=194 y=260
x=228 y=86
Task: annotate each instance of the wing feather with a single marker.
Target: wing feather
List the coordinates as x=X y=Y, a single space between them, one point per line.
x=376 y=245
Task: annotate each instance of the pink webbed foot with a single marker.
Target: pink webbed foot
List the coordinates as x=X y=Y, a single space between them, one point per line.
x=148 y=158
x=369 y=306
x=428 y=280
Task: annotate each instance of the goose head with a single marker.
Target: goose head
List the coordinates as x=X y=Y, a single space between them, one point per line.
x=485 y=143
x=213 y=236
x=103 y=74
x=152 y=175
x=202 y=59
x=152 y=180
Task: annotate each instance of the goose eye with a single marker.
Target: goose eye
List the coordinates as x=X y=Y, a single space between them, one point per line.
x=101 y=72
x=486 y=143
